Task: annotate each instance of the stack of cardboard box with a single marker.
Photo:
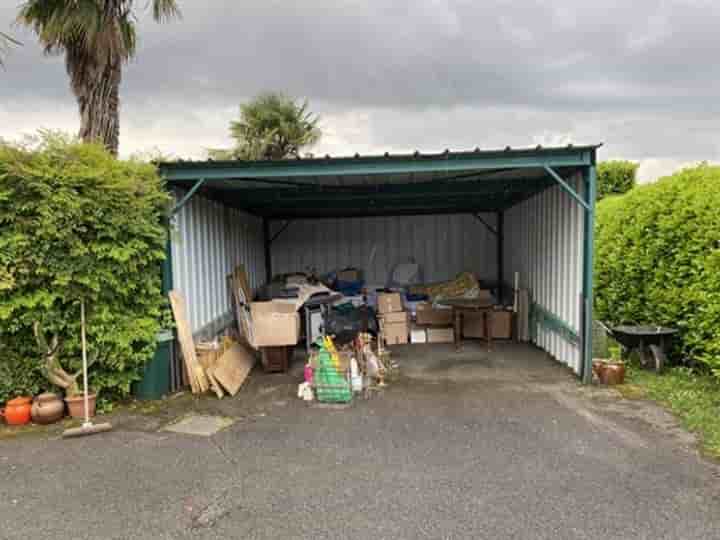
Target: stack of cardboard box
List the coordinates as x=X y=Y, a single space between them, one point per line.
x=434 y=324
x=394 y=321
x=500 y=324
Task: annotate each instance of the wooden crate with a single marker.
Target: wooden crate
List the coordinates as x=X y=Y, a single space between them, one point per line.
x=276 y=359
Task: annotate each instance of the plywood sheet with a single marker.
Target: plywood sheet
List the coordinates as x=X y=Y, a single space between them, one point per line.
x=233 y=367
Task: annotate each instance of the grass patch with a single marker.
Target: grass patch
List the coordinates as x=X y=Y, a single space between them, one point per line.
x=692 y=396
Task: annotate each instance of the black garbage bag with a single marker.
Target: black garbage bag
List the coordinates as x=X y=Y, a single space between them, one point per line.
x=347 y=322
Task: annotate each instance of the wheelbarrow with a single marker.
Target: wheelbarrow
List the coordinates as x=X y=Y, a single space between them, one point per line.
x=651 y=342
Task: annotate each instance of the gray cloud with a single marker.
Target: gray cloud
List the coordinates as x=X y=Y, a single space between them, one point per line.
x=426 y=74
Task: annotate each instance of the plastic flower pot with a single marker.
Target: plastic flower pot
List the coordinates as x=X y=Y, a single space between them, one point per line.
x=76 y=406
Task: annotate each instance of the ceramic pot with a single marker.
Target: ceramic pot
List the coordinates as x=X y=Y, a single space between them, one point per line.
x=17 y=411
x=76 y=406
x=47 y=408
x=612 y=374
x=597 y=366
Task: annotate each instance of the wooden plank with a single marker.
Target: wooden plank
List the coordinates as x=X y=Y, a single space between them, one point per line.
x=233 y=367
x=196 y=374
x=207 y=357
x=215 y=385
x=242 y=297
x=242 y=278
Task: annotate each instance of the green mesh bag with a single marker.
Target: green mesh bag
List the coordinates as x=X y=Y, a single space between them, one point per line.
x=331 y=385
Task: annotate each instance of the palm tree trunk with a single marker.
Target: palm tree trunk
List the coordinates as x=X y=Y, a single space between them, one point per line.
x=98 y=97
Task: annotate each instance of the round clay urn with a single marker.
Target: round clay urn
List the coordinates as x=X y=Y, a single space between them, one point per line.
x=17 y=411
x=47 y=408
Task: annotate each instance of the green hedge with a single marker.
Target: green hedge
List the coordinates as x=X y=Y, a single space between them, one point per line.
x=658 y=259
x=77 y=223
x=615 y=177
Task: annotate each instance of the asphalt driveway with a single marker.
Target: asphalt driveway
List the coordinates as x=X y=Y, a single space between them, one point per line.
x=468 y=446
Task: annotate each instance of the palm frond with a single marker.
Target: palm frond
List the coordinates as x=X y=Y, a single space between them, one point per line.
x=6 y=41
x=165 y=10
x=104 y=30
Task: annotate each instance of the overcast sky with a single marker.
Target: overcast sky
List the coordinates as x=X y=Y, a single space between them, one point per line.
x=643 y=76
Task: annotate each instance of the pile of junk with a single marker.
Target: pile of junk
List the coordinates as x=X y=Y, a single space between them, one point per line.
x=346 y=325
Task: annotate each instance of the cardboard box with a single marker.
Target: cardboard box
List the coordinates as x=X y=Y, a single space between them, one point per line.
x=501 y=324
x=274 y=324
x=389 y=303
x=427 y=314
x=474 y=325
x=418 y=334
x=440 y=335
x=396 y=333
x=396 y=317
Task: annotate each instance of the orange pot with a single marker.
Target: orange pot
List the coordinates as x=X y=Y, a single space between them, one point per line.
x=17 y=411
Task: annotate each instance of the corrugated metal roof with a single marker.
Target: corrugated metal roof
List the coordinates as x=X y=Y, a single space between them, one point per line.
x=448 y=182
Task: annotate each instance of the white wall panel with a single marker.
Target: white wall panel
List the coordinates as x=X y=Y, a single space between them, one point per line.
x=444 y=244
x=208 y=241
x=543 y=242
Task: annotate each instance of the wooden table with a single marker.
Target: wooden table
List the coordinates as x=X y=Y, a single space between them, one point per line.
x=460 y=306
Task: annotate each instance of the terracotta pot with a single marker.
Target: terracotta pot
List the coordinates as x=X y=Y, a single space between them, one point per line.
x=17 y=411
x=47 y=408
x=597 y=366
x=76 y=406
x=612 y=374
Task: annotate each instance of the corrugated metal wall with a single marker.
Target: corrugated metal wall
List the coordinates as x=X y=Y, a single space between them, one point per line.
x=544 y=242
x=208 y=241
x=444 y=244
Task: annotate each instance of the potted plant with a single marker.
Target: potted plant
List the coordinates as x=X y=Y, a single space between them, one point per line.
x=612 y=370
x=57 y=375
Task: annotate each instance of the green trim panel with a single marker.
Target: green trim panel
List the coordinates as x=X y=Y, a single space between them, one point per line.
x=539 y=316
x=451 y=162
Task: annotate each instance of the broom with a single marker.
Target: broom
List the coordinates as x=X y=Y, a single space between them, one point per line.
x=88 y=428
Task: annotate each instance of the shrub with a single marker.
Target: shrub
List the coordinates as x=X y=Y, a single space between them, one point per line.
x=77 y=223
x=615 y=177
x=658 y=259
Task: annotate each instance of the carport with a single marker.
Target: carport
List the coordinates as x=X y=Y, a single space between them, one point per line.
x=494 y=212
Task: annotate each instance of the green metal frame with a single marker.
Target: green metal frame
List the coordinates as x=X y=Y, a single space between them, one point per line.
x=574 y=194
x=590 y=178
x=381 y=165
x=471 y=183
x=588 y=205
x=198 y=184
x=539 y=316
x=489 y=227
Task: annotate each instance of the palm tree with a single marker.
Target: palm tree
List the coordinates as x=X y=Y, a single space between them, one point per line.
x=5 y=42
x=97 y=37
x=271 y=126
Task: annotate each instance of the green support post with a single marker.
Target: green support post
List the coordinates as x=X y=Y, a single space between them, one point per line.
x=590 y=177
x=500 y=239
x=267 y=244
x=167 y=275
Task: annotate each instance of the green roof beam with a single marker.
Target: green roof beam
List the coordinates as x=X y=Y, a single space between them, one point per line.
x=348 y=167
x=574 y=194
x=198 y=184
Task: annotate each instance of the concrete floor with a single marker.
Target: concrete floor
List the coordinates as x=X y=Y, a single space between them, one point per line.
x=459 y=446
